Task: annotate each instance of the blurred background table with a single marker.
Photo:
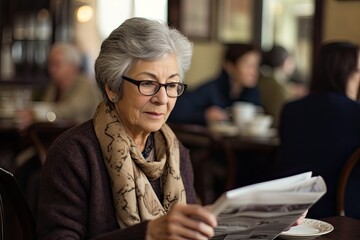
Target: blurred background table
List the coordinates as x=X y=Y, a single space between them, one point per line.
x=219 y=160
x=39 y=135
x=11 y=142
x=261 y=149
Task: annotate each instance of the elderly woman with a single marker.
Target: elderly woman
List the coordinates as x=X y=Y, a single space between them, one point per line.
x=124 y=174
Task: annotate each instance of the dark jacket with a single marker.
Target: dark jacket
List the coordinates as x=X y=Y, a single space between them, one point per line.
x=191 y=106
x=75 y=194
x=319 y=133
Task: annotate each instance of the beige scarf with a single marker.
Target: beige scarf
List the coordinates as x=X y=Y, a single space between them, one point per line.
x=134 y=198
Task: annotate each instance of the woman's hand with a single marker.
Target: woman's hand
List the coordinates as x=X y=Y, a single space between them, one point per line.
x=183 y=222
x=301 y=218
x=298 y=221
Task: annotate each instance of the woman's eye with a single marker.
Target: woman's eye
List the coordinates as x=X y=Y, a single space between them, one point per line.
x=172 y=85
x=148 y=83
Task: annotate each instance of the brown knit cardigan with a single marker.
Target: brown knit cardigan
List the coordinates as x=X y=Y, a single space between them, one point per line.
x=75 y=200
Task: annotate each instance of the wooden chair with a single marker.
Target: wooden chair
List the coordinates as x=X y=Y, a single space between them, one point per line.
x=43 y=134
x=16 y=219
x=343 y=180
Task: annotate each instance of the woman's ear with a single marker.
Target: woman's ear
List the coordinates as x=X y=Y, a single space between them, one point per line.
x=111 y=95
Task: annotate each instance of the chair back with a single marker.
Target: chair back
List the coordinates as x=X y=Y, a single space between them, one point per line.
x=43 y=134
x=343 y=180
x=16 y=219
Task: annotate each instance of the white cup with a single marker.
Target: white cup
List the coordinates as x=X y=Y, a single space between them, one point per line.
x=42 y=112
x=259 y=125
x=244 y=112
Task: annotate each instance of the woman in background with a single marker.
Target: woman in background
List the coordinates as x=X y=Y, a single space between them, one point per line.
x=279 y=81
x=320 y=131
x=237 y=81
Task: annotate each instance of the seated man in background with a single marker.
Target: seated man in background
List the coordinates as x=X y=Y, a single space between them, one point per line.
x=70 y=94
x=277 y=83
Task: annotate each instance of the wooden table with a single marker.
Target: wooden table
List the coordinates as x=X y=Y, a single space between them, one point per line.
x=345 y=228
x=39 y=134
x=203 y=144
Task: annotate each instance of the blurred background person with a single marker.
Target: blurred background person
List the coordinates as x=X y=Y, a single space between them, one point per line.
x=212 y=104
x=70 y=94
x=319 y=132
x=279 y=82
x=237 y=81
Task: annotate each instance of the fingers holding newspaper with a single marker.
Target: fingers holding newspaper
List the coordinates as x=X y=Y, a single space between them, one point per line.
x=300 y=219
x=264 y=210
x=183 y=222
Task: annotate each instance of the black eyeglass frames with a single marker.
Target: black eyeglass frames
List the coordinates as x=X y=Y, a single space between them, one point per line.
x=150 y=87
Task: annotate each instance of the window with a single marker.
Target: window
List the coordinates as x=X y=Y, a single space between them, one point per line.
x=289 y=23
x=111 y=13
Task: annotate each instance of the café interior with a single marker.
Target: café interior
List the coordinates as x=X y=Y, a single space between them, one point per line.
x=29 y=28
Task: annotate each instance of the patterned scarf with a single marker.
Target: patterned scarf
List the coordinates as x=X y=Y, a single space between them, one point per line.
x=134 y=197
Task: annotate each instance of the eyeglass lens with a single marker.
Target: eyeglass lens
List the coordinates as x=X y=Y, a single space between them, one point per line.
x=152 y=87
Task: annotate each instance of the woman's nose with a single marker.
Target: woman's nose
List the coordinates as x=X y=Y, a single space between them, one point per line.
x=161 y=96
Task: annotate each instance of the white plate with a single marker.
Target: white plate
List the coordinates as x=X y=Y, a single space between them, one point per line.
x=308 y=229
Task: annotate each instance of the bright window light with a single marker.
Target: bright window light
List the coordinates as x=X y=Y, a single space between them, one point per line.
x=155 y=9
x=111 y=13
x=84 y=13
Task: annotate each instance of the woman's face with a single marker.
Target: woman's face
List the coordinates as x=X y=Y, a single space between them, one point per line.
x=59 y=68
x=144 y=114
x=246 y=69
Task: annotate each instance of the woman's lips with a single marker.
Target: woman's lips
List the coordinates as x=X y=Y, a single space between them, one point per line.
x=155 y=114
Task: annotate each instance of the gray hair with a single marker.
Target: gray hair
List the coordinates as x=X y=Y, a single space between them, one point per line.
x=135 y=39
x=71 y=52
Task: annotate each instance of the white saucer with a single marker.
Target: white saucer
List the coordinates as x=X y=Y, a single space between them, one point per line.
x=272 y=132
x=308 y=229
x=224 y=128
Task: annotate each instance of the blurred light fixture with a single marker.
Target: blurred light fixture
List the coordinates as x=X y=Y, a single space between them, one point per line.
x=84 y=13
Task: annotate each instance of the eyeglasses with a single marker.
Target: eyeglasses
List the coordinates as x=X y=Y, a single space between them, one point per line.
x=150 y=88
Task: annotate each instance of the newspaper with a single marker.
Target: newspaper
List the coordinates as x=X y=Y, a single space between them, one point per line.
x=264 y=210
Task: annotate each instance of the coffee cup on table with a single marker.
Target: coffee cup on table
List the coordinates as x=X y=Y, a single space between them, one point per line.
x=244 y=112
x=42 y=112
x=259 y=125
